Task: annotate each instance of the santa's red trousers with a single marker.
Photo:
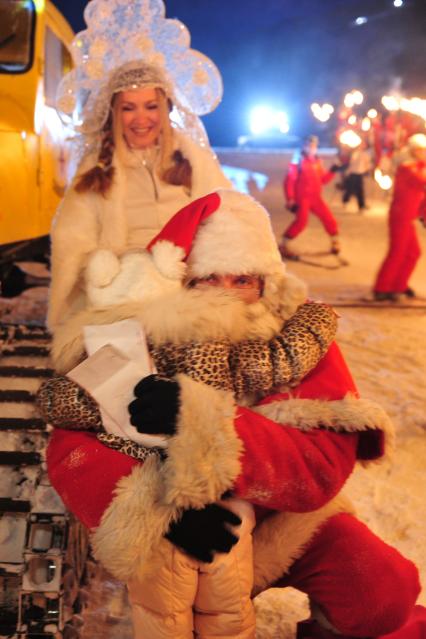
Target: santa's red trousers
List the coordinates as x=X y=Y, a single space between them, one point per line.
x=404 y=251
x=364 y=587
x=318 y=208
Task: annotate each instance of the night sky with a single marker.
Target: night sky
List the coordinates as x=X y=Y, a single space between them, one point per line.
x=290 y=53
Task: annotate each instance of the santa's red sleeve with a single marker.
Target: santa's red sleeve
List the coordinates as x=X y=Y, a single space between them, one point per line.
x=299 y=456
x=85 y=472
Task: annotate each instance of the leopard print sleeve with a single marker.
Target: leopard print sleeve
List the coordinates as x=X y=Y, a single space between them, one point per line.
x=259 y=367
x=64 y=404
x=304 y=340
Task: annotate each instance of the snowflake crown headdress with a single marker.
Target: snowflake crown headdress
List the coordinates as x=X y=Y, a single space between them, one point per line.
x=129 y=44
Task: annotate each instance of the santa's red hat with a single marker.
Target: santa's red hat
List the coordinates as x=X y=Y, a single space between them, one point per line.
x=225 y=232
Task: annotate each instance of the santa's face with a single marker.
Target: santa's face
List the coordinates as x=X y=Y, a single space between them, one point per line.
x=139 y=111
x=247 y=288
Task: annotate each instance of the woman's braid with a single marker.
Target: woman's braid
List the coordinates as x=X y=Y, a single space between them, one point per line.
x=99 y=178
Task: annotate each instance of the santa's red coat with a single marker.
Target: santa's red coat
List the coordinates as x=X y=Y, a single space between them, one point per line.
x=282 y=468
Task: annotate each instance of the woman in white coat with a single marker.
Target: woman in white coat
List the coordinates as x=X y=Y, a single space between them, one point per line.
x=143 y=171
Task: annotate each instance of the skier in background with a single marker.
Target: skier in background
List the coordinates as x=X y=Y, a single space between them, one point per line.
x=302 y=188
x=392 y=281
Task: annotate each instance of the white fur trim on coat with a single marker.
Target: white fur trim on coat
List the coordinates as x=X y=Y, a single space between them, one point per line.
x=349 y=414
x=103 y=266
x=132 y=526
x=203 y=459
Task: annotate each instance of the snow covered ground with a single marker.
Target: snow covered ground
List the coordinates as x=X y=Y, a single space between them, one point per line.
x=386 y=351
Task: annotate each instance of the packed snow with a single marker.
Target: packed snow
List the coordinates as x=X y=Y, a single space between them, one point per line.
x=386 y=351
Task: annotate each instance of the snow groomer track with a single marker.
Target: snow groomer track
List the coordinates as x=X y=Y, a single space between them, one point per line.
x=43 y=550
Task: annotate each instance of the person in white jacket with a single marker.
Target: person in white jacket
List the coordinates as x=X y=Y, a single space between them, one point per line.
x=133 y=97
x=122 y=196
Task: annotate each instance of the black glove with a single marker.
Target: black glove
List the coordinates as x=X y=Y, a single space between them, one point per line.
x=155 y=409
x=201 y=533
x=334 y=168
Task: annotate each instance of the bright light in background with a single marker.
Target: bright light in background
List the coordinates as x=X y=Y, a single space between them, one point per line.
x=352 y=120
x=348 y=100
x=322 y=112
x=350 y=138
x=358 y=97
x=353 y=98
x=263 y=118
x=390 y=102
x=366 y=124
x=372 y=113
x=361 y=20
x=397 y=3
x=384 y=181
x=282 y=121
x=416 y=106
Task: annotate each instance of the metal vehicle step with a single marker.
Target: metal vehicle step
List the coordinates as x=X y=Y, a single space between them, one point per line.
x=25 y=371
x=22 y=423
x=17 y=396
x=14 y=505
x=16 y=458
x=25 y=351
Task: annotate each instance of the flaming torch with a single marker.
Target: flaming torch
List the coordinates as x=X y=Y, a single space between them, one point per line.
x=350 y=138
x=322 y=112
x=384 y=181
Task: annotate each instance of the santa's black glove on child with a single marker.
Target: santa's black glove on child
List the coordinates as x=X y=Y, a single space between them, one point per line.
x=201 y=533
x=155 y=409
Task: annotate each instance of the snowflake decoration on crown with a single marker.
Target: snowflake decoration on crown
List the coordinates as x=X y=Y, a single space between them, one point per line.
x=135 y=34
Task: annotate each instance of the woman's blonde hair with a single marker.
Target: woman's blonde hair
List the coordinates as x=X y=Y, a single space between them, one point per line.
x=173 y=167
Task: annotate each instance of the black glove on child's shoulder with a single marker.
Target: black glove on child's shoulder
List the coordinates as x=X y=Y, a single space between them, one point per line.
x=155 y=409
x=202 y=533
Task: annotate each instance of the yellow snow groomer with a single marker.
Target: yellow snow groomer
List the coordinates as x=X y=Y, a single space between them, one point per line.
x=34 y=56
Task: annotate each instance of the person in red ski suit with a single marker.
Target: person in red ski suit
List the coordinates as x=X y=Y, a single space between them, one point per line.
x=295 y=451
x=302 y=189
x=404 y=249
